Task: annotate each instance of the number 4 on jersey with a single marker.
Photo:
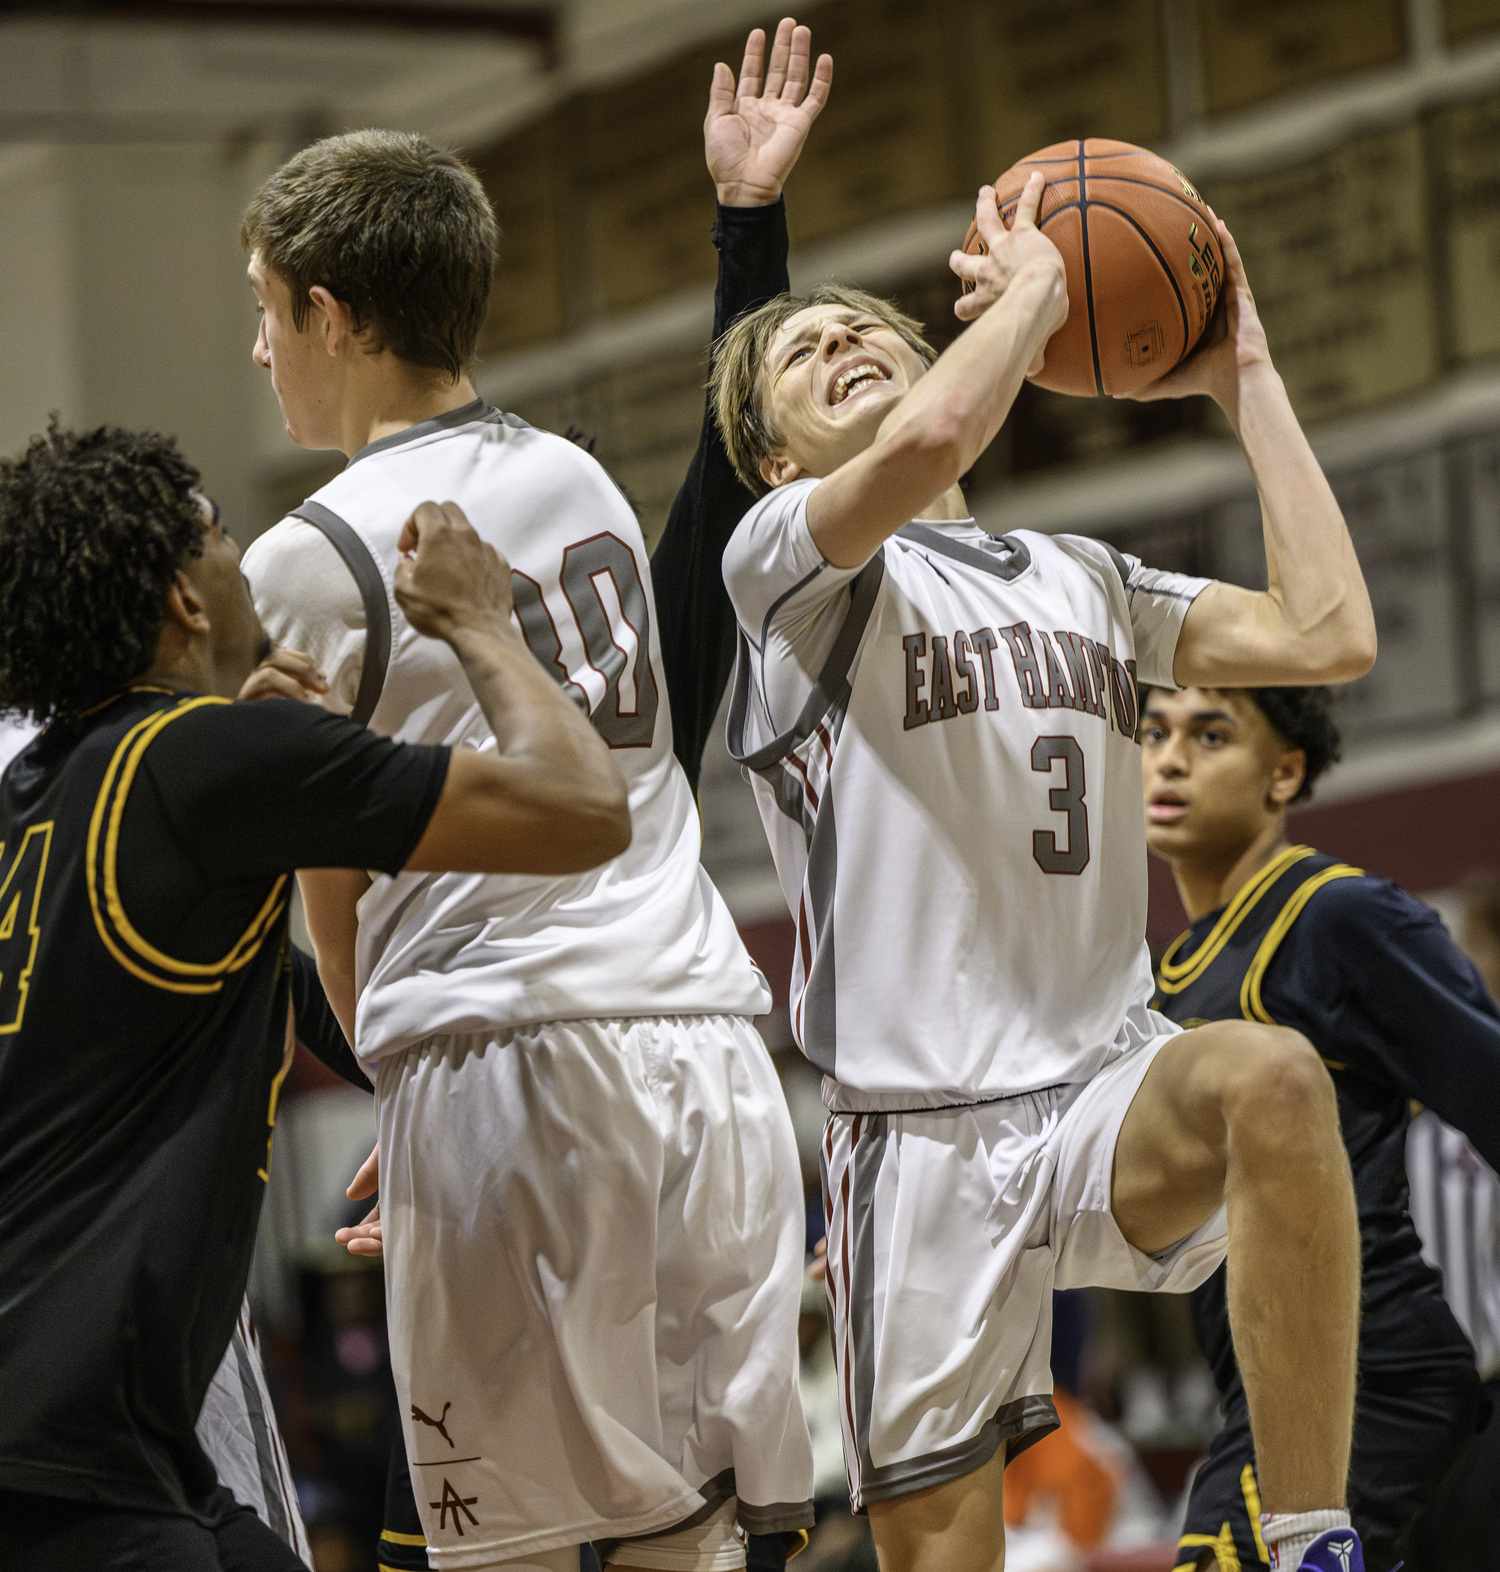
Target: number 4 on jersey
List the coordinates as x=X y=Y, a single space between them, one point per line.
x=20 y=928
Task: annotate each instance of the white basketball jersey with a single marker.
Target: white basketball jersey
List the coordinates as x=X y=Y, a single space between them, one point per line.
x=942 y=744
x=645 y=935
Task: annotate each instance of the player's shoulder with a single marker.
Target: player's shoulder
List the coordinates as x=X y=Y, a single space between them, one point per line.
x=1347 y=907
x=289 y=550
x=199 y=733
x=771 y=525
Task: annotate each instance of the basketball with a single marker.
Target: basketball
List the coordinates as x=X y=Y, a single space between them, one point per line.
x=1143 y=258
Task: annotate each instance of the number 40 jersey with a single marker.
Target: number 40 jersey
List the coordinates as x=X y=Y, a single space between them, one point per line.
x=942 y=744
x=646 y=934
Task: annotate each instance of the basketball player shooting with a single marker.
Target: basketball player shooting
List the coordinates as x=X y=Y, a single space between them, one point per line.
x=940 y=726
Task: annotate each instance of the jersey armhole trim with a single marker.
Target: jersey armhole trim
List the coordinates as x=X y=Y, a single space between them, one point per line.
x=1177 y=975
x=102 y=866
x=369 y=580
x=1250 y=1000
x=831 y=687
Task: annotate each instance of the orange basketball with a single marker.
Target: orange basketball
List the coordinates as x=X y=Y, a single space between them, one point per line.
x=1143 y=258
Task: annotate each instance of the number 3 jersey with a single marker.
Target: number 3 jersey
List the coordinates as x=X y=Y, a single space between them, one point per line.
x=942 y=746
x=646 y=934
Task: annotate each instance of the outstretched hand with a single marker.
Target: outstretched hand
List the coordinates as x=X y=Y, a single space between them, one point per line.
x=284 y=674
x=1007 y=254
x=1233 y=343
x=754 y=130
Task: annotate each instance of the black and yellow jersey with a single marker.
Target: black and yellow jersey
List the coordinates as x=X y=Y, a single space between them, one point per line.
x=146 y=854
x=1373 y=980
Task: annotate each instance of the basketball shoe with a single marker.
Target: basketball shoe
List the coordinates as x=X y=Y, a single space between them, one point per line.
x=1336 y=1551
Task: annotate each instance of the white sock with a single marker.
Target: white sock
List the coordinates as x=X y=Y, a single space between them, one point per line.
x=1288 y=1534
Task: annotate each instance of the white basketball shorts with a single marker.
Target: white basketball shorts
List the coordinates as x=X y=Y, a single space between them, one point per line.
x=594 y=1240
x=947 y=1232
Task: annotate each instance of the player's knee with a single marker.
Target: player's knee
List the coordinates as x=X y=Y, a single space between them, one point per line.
x=1278 y=1095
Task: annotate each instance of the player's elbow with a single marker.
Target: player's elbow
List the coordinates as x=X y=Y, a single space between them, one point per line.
x=600 y=829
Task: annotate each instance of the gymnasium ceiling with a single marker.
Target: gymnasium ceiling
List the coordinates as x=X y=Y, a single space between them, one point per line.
x=281 y=70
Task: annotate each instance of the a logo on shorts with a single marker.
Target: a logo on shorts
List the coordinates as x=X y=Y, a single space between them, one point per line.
x=456 y=1504
x=418 y=1417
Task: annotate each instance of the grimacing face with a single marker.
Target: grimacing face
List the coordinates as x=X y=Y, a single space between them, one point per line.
x=300 y=367
x=831 y=375
x=1214 y=771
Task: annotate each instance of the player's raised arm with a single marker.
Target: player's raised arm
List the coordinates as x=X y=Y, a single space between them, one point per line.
x=550 y=801
x=1313 y=623
x=755 y=129
x=753 y=134
x=944 y=419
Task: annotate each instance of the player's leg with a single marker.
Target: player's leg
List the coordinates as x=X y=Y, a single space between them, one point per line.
x=1243 y=1115
x=958 y=1524
x=520 y=1174
x=731 y=1239
x=940 y=1287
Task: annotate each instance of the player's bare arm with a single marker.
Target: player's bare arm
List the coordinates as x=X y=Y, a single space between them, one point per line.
x=550 y=800
x=938 y=421
x=1313 y=623
x=754 y=131
x=330 y=897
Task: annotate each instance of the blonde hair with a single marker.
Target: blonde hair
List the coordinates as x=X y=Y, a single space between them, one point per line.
x=736 y=380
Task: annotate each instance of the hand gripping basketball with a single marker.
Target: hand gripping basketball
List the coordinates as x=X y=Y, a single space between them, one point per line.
x=1007 y=254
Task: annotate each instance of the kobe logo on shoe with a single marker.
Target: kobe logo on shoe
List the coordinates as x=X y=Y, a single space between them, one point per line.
x=438 y=1425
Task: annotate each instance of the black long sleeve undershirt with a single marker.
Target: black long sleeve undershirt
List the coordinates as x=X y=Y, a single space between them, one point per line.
x=317 y=1027
x=696 y=621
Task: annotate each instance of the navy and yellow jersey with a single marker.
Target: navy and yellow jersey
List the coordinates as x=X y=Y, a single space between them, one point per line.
x=146 y=852
x=1372 y=979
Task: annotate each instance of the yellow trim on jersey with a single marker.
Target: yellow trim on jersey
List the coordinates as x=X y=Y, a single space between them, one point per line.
x=1177 y=975
x=33 y=924
x=1222 y=1545
x=403 y=1539
x=118 y=779
x=1251 y=1492
x=1250 y=1001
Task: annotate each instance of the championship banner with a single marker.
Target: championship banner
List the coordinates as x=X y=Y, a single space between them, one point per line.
x=647 y=203
x=1464 y=19
x=1339 y=256
x=1056 y=69
x=1253 y=50
x=1466 y=152
x=886 y=141
x=526 y=184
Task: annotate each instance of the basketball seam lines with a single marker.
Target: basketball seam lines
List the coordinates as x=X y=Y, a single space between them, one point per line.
x=1123 y=180
x=1088 y=272
x=1181 y=304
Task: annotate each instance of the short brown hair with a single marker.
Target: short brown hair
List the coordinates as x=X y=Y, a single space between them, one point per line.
x=399 y=230
x=737 y=379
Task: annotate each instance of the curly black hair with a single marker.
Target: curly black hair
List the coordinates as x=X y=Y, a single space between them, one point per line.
x=93 y=527
x=1304 y=717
